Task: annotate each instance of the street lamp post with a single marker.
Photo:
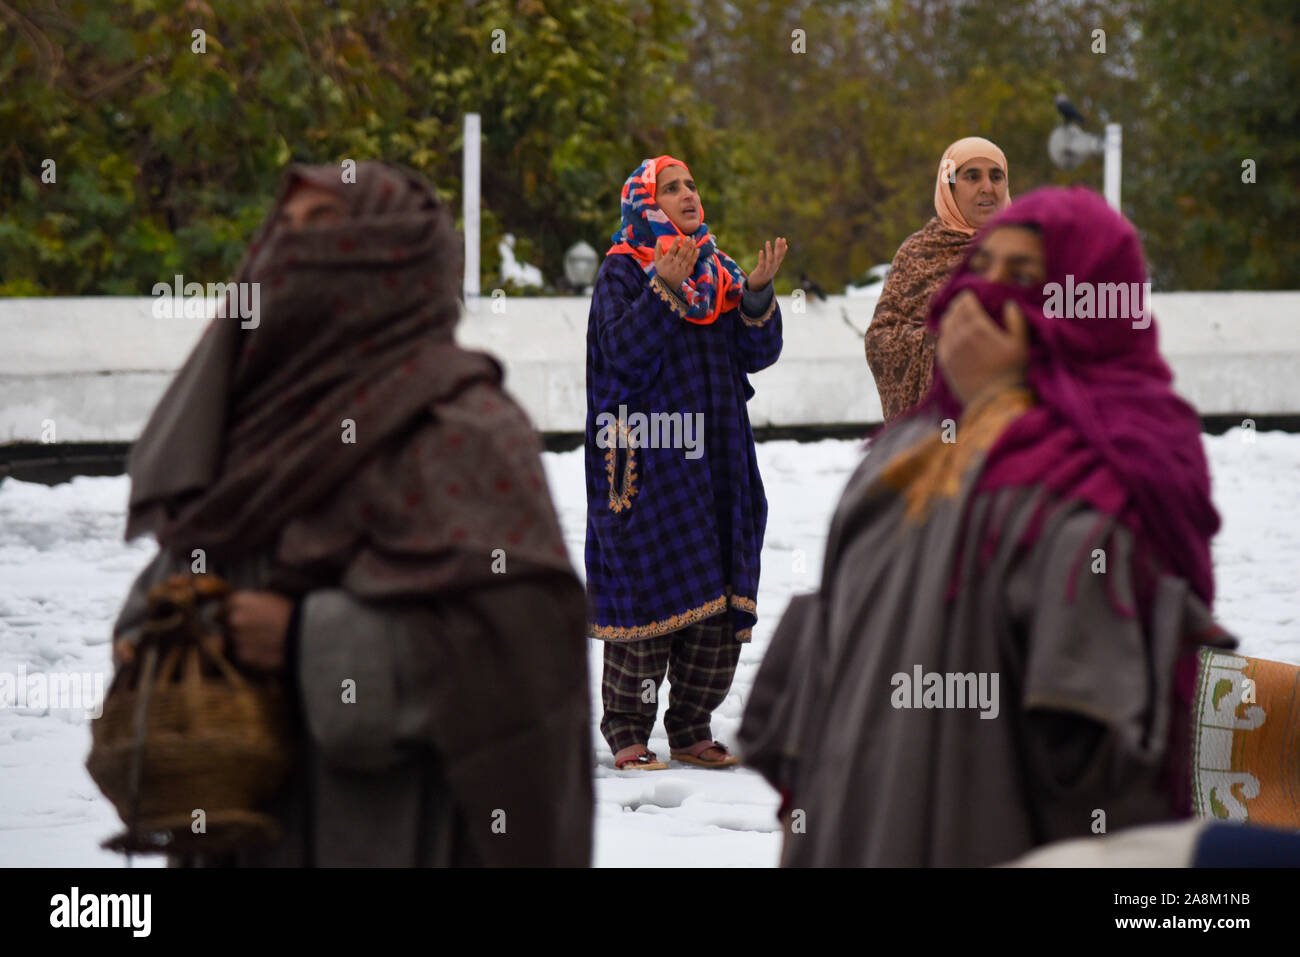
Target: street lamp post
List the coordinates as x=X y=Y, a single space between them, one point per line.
x=1069 y=145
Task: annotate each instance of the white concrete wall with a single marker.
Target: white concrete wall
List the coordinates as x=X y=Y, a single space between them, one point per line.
x=95 y=366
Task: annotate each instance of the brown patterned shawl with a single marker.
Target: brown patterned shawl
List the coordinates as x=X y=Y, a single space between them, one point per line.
x=900 y=351
x=245 y=453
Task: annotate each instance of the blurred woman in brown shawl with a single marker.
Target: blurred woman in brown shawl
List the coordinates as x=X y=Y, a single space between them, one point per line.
x=378 y=503
x=970 y=187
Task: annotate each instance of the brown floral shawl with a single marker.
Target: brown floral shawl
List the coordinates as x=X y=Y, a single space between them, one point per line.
x=899 y=349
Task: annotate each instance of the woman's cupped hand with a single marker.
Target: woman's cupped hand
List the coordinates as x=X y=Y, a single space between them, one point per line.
x=770 y=258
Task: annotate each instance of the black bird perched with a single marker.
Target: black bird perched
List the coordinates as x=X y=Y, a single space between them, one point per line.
x=810 y=287
x=1068 y=112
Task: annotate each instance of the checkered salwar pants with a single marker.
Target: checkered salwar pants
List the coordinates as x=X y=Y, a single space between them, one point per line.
x=700 y=660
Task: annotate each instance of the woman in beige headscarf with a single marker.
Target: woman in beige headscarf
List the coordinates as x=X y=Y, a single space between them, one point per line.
x=970 y=187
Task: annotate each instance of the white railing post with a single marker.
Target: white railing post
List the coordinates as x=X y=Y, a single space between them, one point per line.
x=1114 y=151
x=470 y=189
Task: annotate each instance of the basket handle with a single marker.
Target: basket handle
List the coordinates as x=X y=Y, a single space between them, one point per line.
x=170 y=666
x=228 y=671
x=147 y=668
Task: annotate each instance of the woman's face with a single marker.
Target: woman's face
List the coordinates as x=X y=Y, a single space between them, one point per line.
x=677 y=196
x=308 y=204
x=1012 y=255
x=980 y=190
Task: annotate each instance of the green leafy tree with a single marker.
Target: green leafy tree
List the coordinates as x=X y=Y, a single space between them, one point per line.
x=822 y=122
x=168 y=143
x=1221 y=92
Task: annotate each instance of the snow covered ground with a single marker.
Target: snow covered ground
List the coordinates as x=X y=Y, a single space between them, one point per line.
x=64 y=571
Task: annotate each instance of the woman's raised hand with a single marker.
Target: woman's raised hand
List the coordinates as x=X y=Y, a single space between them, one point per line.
x=675 y=264
x=769 y=261
x=974 y=352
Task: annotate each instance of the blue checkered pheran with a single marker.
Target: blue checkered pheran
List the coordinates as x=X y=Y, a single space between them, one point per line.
x=671 y=540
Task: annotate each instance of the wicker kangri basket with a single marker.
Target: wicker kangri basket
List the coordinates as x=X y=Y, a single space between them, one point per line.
x=183 y=730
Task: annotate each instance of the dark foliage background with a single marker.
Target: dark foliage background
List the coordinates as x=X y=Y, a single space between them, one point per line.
x=166 y=158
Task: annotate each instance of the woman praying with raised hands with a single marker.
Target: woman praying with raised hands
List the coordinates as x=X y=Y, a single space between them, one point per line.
x=675 y=522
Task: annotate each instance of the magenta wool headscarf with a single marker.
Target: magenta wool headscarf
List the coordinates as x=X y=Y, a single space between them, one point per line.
x=1108 y=428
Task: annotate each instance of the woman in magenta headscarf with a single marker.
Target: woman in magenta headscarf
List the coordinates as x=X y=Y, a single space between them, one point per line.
x=1002 y=649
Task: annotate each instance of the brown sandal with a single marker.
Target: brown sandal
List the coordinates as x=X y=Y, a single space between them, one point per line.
x=637 y=757
x=695 y=755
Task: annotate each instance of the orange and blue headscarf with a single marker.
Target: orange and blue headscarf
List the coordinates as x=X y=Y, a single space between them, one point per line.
x=717 y=282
